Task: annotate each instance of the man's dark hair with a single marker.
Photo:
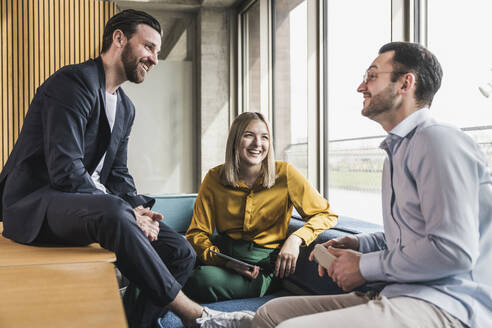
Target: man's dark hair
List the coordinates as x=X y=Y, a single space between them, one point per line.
x=127 y=21
x=414 y=58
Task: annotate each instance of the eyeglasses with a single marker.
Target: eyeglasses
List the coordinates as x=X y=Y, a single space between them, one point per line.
x=371 y=75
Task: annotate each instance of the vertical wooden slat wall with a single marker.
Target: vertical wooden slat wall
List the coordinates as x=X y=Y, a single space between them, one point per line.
x=37 y=37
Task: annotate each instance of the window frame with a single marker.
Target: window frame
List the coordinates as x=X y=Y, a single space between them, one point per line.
x=267 y=88
x=408 y=23
x=265 y=63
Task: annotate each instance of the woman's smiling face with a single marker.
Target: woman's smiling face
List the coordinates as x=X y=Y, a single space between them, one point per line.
x=255 y=143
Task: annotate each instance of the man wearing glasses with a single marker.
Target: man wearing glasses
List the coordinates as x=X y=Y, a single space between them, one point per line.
x=433 y=258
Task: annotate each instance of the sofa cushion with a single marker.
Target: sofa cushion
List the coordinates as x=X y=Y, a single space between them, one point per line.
x=177 y=210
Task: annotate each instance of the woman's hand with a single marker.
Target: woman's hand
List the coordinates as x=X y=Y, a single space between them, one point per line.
x=287 y=258
x=242 y=270
x=345 y=242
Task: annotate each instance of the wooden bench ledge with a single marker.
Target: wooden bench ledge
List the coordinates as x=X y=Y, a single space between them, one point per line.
x=12 y=253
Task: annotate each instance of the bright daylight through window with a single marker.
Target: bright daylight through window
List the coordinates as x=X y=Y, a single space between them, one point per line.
x=465 y=97
x=355 y=161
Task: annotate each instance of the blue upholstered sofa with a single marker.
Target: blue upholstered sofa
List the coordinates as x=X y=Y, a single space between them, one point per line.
x=178 y=210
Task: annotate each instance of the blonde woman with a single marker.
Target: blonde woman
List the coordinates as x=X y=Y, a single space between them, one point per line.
x=248 y=201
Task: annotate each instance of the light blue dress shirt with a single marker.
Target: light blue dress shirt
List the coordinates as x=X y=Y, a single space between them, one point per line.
x=437 y=213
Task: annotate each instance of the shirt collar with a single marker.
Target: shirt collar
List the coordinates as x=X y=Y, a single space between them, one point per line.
x=410 y=122
x=403 y=129
x=258 y=183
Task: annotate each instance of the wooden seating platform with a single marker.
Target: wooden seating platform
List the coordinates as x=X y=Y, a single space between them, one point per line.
x=60 y=295
x=12 y=253
x=58 y=286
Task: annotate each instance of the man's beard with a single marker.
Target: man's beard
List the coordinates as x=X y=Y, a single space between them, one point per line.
x=130 y=64
x=381 y=103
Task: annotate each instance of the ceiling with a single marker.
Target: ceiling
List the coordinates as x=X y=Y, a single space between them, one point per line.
x=175 y=16
x=177 y=4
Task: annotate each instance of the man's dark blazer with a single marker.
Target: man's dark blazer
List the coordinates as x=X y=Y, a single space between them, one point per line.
x=63 y=138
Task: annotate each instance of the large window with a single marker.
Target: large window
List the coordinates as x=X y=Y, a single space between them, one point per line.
x=278 y=76
x=355 y=161
x=313 y=103
x=465 y=53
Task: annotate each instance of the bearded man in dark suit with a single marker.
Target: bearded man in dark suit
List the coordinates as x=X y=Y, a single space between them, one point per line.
x=67 y=182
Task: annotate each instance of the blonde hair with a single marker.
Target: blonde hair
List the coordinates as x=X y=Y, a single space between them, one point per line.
x=230 y=173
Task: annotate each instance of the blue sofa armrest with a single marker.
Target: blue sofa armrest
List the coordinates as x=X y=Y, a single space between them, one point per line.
x=345 y=225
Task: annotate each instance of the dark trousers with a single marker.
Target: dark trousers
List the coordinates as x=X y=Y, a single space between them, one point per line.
x=158 y=269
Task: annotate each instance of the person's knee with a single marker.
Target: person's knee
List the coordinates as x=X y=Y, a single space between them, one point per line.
x=187 y=255
x=176 y=252
x=114 y=222
x=116 y=212
x=183 y=262
x=263 y=317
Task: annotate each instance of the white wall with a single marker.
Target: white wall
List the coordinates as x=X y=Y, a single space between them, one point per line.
x=161 y=154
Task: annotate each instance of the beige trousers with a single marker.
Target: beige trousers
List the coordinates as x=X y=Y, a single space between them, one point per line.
x=352 y=310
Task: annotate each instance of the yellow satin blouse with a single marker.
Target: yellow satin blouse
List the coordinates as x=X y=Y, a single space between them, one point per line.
x=258 y=214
